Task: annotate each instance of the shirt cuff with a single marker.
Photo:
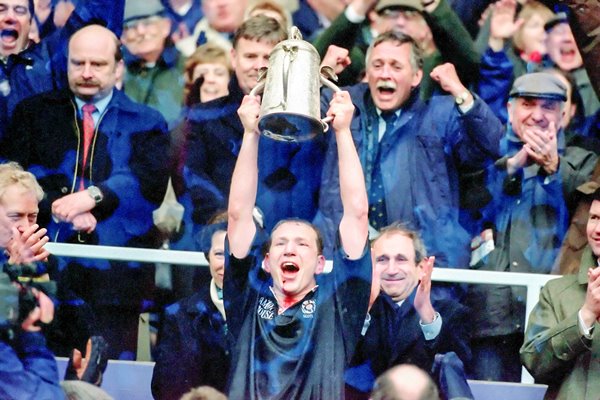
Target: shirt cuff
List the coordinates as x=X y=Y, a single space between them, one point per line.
x=466 y=108
x=586 y=331
x=353 y=16
x=432 y=330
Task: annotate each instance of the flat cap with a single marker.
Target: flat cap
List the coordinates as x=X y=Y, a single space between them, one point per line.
x=138 y=9
x=541 y=85
x=558 y=18
x=411 y=4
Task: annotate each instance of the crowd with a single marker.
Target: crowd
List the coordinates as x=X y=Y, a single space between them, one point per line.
x=461 y=137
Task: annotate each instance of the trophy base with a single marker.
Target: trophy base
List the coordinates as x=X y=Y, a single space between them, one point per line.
x=290 y=127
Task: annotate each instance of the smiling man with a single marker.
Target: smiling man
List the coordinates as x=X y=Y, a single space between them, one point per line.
x=411 y=151
x=295 y=330
x=527 y=192
x=428 y=326
x=562 y=335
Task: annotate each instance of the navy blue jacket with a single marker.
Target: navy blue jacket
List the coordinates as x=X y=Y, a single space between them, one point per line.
x=289 y=173
x=28 y=369
x=193 y=348
x=128 y=161
x=420 y=163
x=395 y=337
x=43 y=66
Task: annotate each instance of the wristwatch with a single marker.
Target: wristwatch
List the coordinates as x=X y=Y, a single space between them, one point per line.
x=95 y=193
x=461 y=98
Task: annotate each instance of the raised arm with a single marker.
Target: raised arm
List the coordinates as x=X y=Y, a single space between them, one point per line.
x=354 y=224
x=244 y=182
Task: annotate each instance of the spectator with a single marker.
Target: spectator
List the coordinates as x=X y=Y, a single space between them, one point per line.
x=289 y=176
x=406 y=326
x=312 y=16
x=193 y=335
x=272 y=9
x=207 y=73
x=154 y=67
x=526 y=192
x=221 y=19
x=560 y=338
x=564 y=53
x=104 y=171
x=440 y=138
x=435 y=27
x=514 y=48
x=406 y=382
x=27 y=367
x=184 y=15
x=77 y=390
x=27 y=68
x=295 y=330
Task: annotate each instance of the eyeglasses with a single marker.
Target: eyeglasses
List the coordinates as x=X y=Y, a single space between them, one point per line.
x=20 y=11
x=391 y=13
x=145 y=22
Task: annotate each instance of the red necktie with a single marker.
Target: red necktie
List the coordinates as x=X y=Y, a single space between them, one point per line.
x=88 y=135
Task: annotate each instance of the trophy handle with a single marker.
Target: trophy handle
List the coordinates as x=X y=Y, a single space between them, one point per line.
x=260 y=86
x=326 y=74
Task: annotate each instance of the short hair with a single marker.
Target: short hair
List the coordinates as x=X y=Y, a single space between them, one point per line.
x=405 y=230
x=270 y=5
x=12 y=173
x=530 y=9
x=385 y=389
x=260 y=28
x=301 y=221
x=81 y=390
x=399 y=38
x=203 y=393
x=217 y=223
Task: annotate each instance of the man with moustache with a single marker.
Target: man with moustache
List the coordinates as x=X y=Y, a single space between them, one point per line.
x=27 y=68
x=412 y=151
x=102 y=160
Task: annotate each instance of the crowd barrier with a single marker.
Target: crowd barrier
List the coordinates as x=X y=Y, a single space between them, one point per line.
x=130 y=380
x=533 y=282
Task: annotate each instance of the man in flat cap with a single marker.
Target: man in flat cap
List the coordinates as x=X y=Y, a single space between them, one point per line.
x=154 y=67
x=561 y=348
x=523 y=220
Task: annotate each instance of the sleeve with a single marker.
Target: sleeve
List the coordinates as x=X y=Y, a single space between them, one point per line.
x=241 y=282
x=145 y=173
x=576 y=167
x=454 y=41
x=475 y=136
x=173 y=373
x=352 y=286
x=28 y=371
x=551 y=344
x=454 y=334
x=206 y=197
x=495 y=81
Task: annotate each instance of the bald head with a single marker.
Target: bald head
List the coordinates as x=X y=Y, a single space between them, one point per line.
x=95 y=64
x=405 y=382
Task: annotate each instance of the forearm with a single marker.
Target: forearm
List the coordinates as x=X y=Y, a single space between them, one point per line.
x=242 y=196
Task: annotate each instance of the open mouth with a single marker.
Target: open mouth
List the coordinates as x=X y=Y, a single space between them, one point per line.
x=289 y=267
x=386 y=88
x=9 y=36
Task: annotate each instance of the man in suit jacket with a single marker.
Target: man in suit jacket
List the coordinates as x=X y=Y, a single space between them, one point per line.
x=404 y=325
x=101 y=187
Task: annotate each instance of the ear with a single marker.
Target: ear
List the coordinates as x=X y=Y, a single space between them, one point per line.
x=267 y=263
x=509 y=107
x=320 y=264
x=417 y=78
x=232 y=58
x=120 y=71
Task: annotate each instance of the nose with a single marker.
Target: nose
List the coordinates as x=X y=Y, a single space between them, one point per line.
x=22 y=223
x=290 y=248
x=209 y=76
x=87 y=71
